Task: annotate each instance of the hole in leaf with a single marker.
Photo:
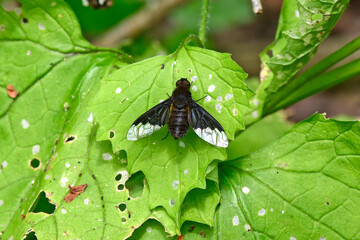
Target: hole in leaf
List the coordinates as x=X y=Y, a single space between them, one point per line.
x=189 y=70
x=111 y=134
x=25 y=20
x=118 y=177
x=70 y=139
x=42 y=204
x=327 y=203
x=270 y=53
x=30 y=235
x=35 y=163
x=135 y=184
x=123 y=219
x=120 y=187
x=122 y=207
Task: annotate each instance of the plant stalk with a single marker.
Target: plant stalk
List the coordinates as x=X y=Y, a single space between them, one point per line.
x=203 y=21
x=322 y=82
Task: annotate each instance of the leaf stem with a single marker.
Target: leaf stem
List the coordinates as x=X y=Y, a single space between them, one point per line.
x=311 y=73
x=203 y=21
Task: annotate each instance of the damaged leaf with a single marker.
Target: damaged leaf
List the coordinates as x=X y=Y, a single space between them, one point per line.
x=74 y=192
x=182 y=164
x=11 y=91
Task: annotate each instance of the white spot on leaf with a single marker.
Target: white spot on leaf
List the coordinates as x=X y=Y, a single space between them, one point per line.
x=63 y=211
x=282 y=212
x=182 y=144
x=235 y=220
x=63 y=181
x=175 y=184
x=4 y=164
x=67 y=165
x=292 y=238
x=90 y=118
x=149 y=229
x=211 y=88
x=297 y=14
x=262 y=212
x=256 y=102
x=1 y=202
x=218 y=107
x=219 y=98
x=194 y=88
x=235 y=112
x=208 y=98
x=36 y=149
x=118 y=90
x=247 y=227
x=86 y=201
x=210 y=76
x=193 y=78
x=171 y=202
x=106 y=156
x=229 y=96
x=186 y=171
x=25 y=124
x=28 y=53
x=245 y=190
x=255 y=114
x=41 y=26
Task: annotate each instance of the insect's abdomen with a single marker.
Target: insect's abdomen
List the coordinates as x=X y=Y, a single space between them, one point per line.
x=178 y=123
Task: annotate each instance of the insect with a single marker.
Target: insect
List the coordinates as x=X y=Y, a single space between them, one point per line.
x=179 y=111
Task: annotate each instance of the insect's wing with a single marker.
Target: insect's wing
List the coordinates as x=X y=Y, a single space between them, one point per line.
x=150 y=121
x=206 y=126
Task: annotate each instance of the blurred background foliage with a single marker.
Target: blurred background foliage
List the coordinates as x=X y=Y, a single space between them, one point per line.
x=145 y=28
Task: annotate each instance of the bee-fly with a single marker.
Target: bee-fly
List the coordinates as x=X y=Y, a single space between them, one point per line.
x=179 y=111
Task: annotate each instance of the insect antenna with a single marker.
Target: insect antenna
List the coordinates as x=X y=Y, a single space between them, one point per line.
x=201 y=98
x=167 y=134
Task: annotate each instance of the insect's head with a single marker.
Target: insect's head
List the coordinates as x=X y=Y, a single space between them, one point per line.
x=183 y=83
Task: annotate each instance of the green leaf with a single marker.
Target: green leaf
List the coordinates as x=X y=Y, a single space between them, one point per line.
x=303 y=25
x=304 y=185
x=47 y=134
x=199 y=205
x=172 y=168
x=42 y=71
x=258 y=135
x=313 y=80
x=151 y=229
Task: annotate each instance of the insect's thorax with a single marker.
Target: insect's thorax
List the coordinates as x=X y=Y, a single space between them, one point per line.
x=178 y=123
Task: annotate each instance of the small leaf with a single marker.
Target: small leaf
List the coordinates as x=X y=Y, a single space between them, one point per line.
x=172 y=168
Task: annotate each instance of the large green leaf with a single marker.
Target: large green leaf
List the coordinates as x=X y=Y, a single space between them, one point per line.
x=303 y=25
x=305 y=185
x=172 y=167
x=37 y=58
x=47 y=134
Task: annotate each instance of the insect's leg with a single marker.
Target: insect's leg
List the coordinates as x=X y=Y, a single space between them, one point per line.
x=201 y=98
x=167 y=134
x=168 y=95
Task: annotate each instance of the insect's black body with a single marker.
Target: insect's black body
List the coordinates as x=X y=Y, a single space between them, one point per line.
x=178 y=124
x=179 y=111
